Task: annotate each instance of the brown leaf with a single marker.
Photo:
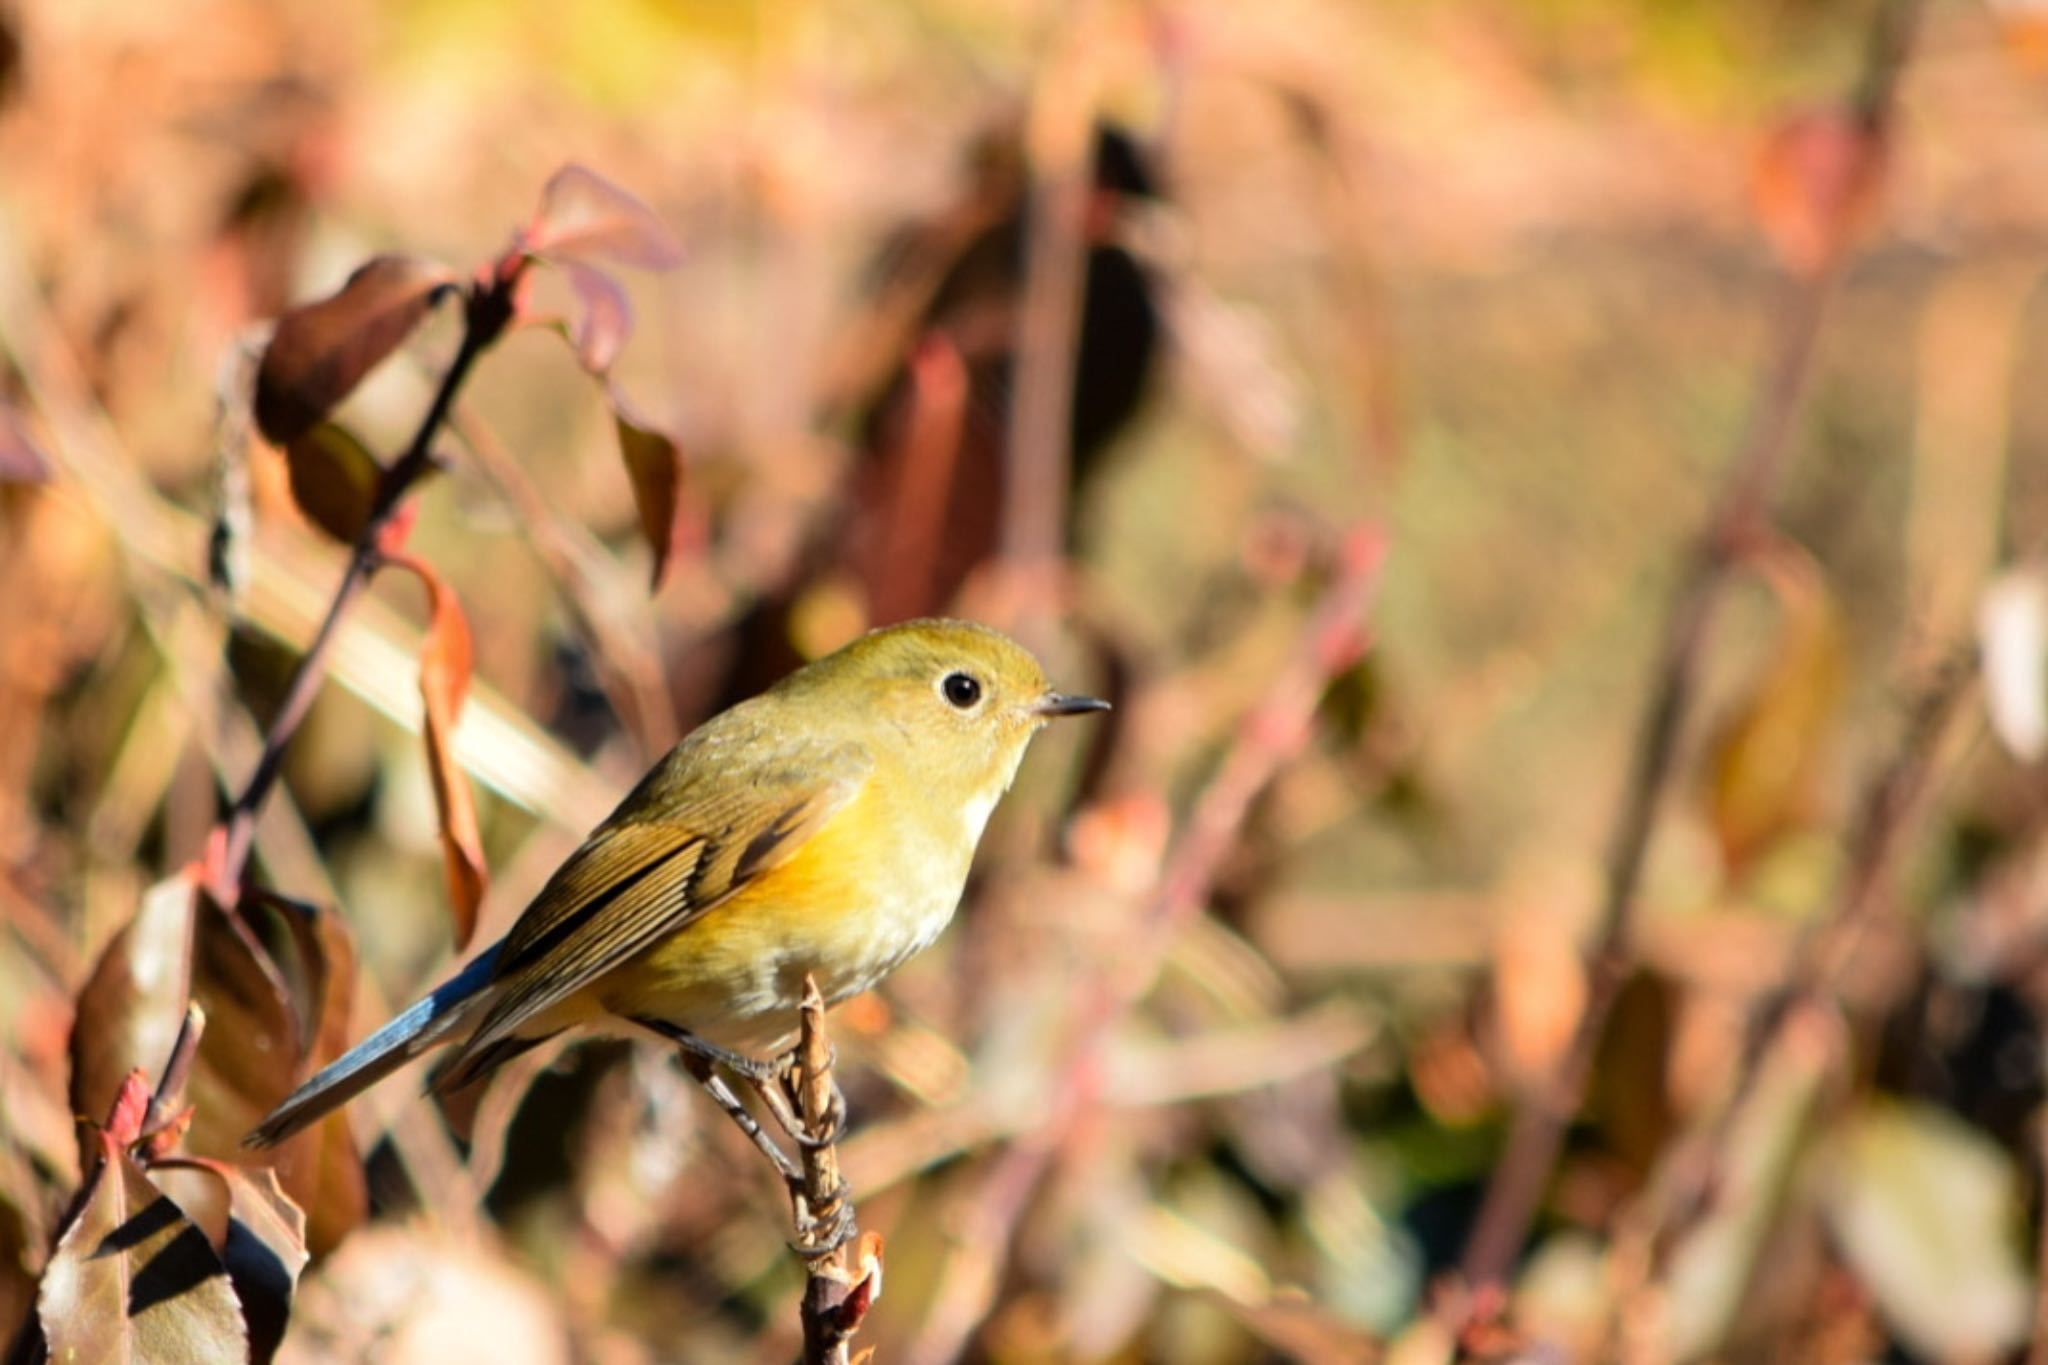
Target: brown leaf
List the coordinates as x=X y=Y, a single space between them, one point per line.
x=133 y=1003
x=444 y=682
x=585 y=215
x=316 y=957
x=654 y=465
x=334 y=479
x=134 y=1279
x=261 y=1242
x=321 y=351
x=1771 y=756
x=600 y=331
x=1816 y=186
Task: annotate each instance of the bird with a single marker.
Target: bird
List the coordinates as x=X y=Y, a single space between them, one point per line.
x=822 y=828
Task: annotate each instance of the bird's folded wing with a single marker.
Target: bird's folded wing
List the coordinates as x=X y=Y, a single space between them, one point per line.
x=637 y=881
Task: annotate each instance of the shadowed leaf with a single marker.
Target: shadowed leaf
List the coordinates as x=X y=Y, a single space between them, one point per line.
x=583 y=214
x=334 y=479
x=444 y=683
x=654 y=465
x=261 y=1238
x=321 y=351
x=320 y=1167
x=134 y=1279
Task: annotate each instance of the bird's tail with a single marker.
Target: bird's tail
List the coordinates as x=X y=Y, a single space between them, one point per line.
x=377 y=1056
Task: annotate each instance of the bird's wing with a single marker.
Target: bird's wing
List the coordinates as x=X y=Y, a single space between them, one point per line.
x=707 y=831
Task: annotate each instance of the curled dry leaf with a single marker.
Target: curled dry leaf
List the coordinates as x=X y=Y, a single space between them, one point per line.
x=1816 y=186
x=334 y=479
x=582 y=214
x=445 y=663
x=134 y=1279
x=1772 y=754
x=321 y=351
x=654 y=465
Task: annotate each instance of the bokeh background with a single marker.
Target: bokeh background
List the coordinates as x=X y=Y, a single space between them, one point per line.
x=1498 y=288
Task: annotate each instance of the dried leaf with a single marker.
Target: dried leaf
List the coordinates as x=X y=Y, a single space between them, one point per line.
x=334 y=479
x=654 y=465
x=445 y=663
x=1816 y=186
x=582 y=214
x=321 y=351
x=1925 y=1209
x=320 y=1168
x=600 y=330
x=133 y=1003
x=134 y=1279
x=261 y=1239
x=1770 y=759
x=2012 y=628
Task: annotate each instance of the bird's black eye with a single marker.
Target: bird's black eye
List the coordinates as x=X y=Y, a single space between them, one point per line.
x=961 y=689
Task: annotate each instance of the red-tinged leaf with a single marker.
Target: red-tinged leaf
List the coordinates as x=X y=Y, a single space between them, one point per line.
x=124 y=1119
x=321 y=351
x=262 y=1241
x=444 y=683
x=334 y=479
x=583 y=214
x=600 y=330
x=134 y=1279
x=201 y=1193
x=654 y=466
x=21 y=461
x=1816 y=186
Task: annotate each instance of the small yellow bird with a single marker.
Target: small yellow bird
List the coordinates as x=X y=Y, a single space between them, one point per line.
x=824 y=827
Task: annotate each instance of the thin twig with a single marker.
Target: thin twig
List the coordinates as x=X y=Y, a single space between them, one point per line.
x=1536 y=1136
x=488 y=309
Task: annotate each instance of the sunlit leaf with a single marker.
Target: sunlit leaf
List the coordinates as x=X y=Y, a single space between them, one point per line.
x=334 y=479
x=445 y=662
x=1771 y=756
x=321 y=351
x=134 y=1279
x=132 y=1005
x=1816 y=186
x=261 y=1239
x=654 y=465
x=2012 y=630
x=584 y=214
x=1925 y=1209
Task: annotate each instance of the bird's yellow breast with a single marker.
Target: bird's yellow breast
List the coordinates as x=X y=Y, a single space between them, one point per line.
x=872 y=886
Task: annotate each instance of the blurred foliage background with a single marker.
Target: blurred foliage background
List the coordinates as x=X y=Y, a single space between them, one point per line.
x=1498 y=281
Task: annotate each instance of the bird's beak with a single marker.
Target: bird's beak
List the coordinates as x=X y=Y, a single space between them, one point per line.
x=1060 y=704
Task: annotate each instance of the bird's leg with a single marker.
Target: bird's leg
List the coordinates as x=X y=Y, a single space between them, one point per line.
x=738 y=1063
x=703 y=1070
